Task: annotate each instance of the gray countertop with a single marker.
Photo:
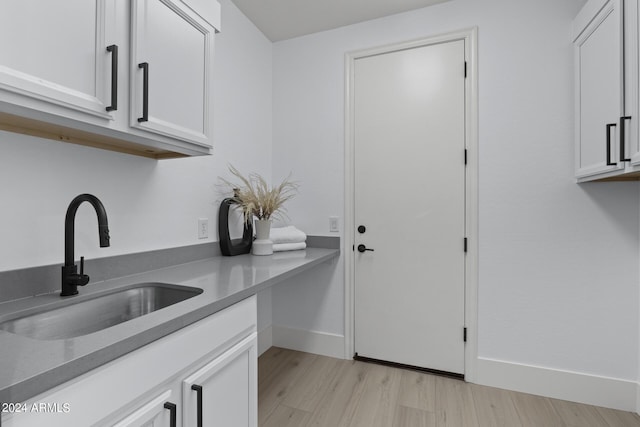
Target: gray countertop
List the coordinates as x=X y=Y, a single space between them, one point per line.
x=29 y=367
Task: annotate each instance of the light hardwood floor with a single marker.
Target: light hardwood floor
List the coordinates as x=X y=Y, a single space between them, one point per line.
x=298 y=389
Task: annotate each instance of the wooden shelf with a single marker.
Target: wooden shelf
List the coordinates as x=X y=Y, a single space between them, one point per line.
x=27 y=126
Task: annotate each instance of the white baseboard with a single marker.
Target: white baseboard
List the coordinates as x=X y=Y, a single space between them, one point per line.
x=577 y=387
x=322 y=343
x=265 y=339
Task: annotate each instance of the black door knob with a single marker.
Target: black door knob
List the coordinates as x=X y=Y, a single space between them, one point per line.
x=362 y=248
x=362 y=229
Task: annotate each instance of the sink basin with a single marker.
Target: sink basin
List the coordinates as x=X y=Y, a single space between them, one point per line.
x=100 y=312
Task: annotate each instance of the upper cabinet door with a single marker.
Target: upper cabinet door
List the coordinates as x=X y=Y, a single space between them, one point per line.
x=632 y=84
x=171 y=51
x=598 y=41
x=56 y=54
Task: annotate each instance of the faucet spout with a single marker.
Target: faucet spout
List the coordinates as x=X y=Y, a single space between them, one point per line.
x=70 y=277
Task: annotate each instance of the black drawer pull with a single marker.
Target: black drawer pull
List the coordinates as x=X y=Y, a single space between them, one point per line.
x=145 y=92
x=114 y=77
x=622 y=138
x=198 y=390
x=173 y=409
x=609 y=162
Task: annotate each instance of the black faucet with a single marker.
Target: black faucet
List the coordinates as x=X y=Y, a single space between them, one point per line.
x=70 y=277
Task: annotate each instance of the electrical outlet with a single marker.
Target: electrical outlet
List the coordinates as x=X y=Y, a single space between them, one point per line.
x=333 y=224
x=203 y=228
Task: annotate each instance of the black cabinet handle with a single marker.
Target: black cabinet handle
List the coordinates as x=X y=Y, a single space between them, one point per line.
x=622 y=138
x=609 y=162
x=362 y=248
x=198 y=390
x=114 y=77
x=173 y=409
x=145 y=92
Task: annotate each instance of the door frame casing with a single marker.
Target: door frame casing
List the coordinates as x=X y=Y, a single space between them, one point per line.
x=470 y=37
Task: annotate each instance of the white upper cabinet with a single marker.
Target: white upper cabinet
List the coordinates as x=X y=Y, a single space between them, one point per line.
x=599 y=87
x=631 y=147
x=57 y=55
x=171 y=51
x=130 y=76
x=605 y=41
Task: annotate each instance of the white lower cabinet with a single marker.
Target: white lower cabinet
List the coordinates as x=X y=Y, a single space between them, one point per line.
x=202 y=375
x=221 y=393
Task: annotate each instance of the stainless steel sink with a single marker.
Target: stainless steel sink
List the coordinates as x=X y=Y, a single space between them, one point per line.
x=95 y=314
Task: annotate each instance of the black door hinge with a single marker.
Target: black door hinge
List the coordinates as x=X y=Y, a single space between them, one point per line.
x=465 y=156
x=353 y=248
x=465 y=69
x=465 y=244
x=464 y=334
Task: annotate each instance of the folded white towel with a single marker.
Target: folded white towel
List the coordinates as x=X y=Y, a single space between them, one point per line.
x=281 y=247
x=288 y=234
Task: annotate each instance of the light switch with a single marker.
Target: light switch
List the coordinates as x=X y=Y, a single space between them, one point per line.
x=333 y=224
x=203 y=228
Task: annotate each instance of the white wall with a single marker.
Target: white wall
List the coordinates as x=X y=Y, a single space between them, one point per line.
x=558 y=280
x=150 y=204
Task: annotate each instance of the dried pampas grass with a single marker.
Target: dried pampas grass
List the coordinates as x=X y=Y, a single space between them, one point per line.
x=256 y=198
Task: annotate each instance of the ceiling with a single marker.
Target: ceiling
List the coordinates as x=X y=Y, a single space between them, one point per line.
x=285 y=19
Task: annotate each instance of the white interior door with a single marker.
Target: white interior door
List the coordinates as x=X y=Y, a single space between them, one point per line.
x=409 y=124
